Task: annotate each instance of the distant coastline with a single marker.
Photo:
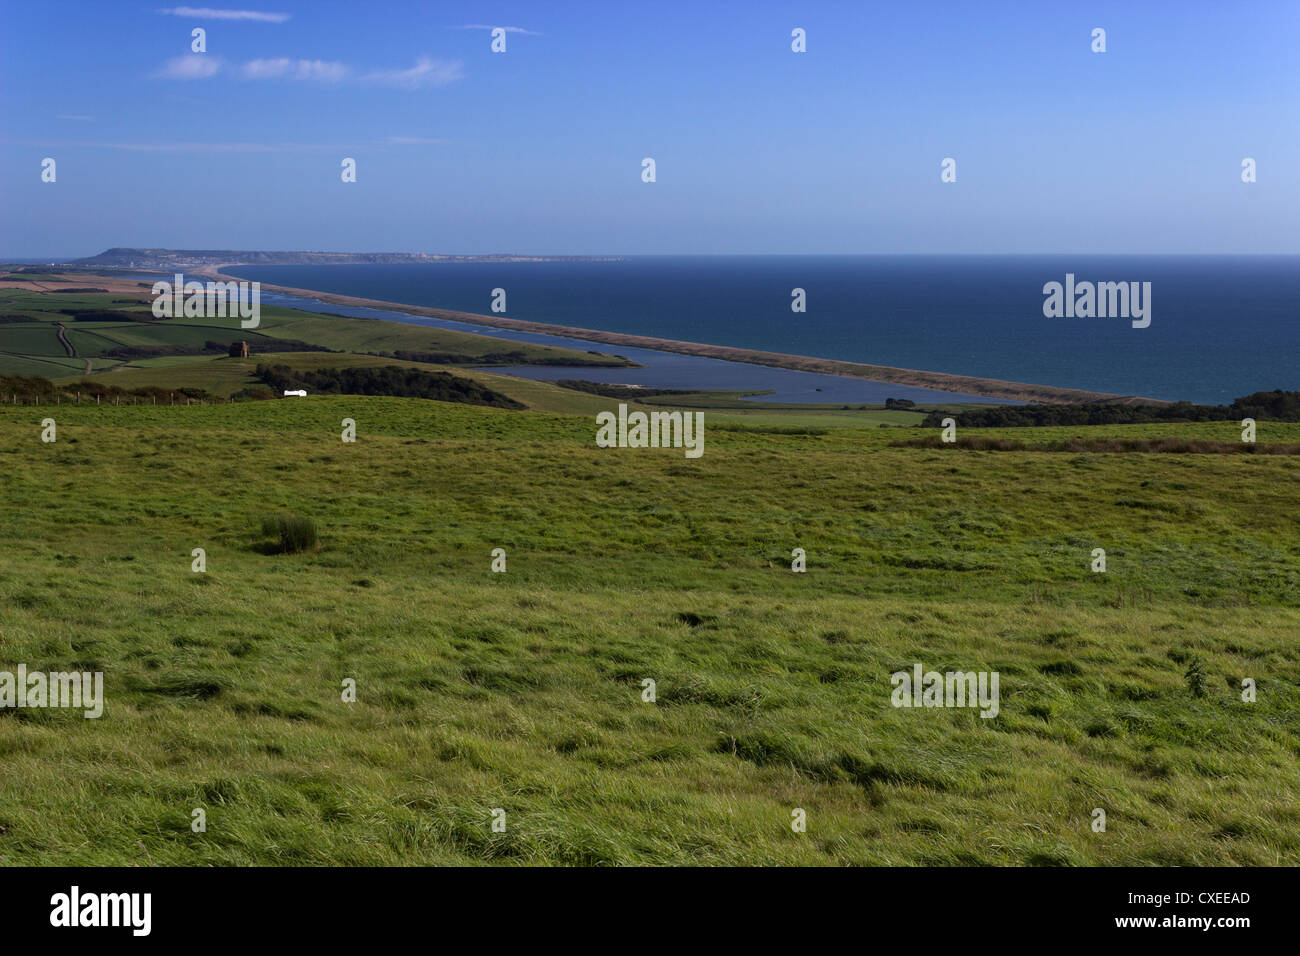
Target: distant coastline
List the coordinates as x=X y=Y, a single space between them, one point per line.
x=942 y=381
x=179 y=260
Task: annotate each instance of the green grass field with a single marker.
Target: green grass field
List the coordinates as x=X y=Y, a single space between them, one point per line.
x=51 y=366
x=523 y=690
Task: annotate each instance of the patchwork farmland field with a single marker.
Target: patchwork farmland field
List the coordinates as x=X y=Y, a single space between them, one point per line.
x=99 y=325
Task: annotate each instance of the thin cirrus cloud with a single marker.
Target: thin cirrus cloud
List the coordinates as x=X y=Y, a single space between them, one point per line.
x=488 y=26
x=414 y=141
x=174 y=146
x=192 y=66
x=324 y=71
x=426 y=72
x=208 y=13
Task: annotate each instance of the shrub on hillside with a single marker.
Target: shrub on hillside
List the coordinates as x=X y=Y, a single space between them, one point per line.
x=258 y=393
x=290 y=534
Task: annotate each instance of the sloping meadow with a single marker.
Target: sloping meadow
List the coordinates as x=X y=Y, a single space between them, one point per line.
x=525 y=691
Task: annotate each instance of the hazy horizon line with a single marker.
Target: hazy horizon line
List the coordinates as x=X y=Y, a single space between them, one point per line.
x=69 y=260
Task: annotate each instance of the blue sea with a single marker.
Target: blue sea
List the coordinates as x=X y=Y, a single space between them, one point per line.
x=1221 y=326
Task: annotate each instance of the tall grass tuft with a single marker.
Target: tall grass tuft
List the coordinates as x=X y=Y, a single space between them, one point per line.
x=292 y=533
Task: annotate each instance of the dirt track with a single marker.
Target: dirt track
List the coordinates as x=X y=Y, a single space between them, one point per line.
x=63 y=340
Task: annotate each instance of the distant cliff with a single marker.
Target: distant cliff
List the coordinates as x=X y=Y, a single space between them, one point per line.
x=188 y=258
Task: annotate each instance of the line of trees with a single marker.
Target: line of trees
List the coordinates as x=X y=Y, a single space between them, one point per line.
x=210 y=347
x=391 y=380
x=108 y=315
x=1277 y=405
x=28 y=388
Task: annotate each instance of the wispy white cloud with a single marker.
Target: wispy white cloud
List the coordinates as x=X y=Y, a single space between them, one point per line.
x=174 y=146
x=208 y=13
x=325 y=71
x=77 y=118
x=415 y=141
x=489 y=26
x=177 y=147
x=191 y=66
x=426 y=72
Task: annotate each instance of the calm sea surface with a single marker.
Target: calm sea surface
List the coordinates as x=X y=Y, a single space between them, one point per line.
x=1221 y=326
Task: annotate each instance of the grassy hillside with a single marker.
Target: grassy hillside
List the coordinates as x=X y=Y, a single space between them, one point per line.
x=522 y=690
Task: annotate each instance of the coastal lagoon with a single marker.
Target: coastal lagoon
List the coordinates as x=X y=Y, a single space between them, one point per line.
x=1220 y=326
x=663 y=369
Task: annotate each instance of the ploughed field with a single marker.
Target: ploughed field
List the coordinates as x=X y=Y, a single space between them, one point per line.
x=523 y=691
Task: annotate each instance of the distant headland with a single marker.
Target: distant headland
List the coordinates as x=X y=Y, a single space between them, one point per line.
x=168 y=259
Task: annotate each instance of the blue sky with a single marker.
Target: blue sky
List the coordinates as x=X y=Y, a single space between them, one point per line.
x=758 y=149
